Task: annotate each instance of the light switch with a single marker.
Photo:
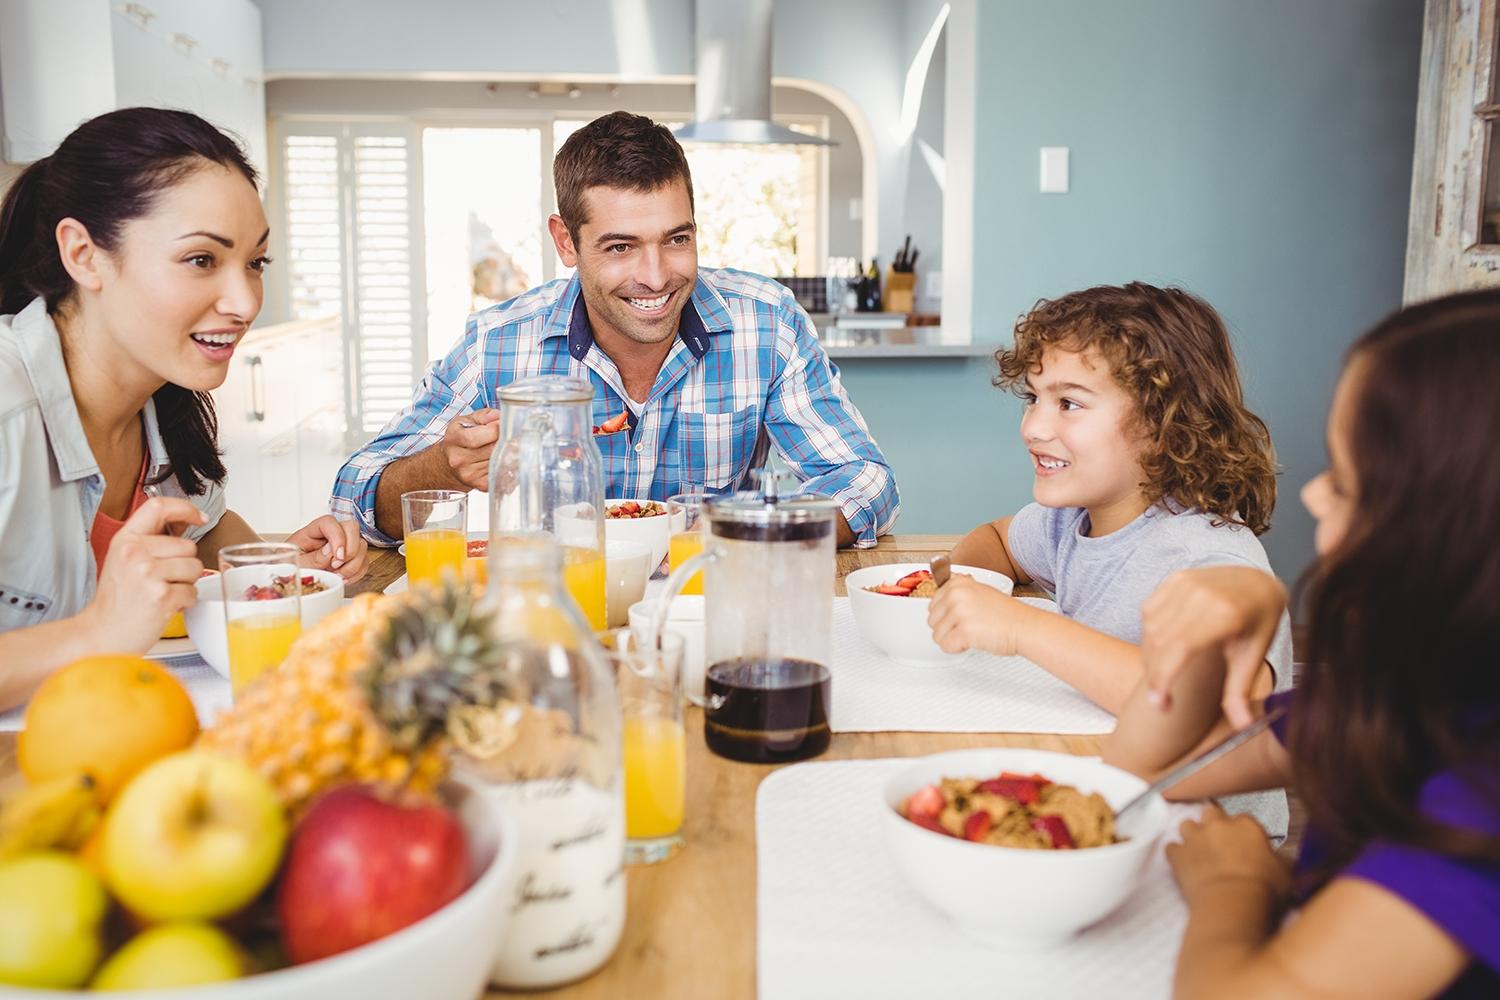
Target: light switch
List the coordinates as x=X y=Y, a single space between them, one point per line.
x=1054 y=170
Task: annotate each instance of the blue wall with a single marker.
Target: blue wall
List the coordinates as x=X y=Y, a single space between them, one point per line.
x=1258 y=154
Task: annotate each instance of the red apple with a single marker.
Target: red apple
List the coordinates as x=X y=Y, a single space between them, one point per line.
x=361 y=867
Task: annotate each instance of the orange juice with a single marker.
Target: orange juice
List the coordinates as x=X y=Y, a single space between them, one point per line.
x=655 y=777
x=477 y=571
x=259 y=643
x=583 y=575
x=432 y=550
x=685 y=545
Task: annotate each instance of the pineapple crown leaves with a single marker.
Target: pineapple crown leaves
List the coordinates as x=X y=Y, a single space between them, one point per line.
x=438 y=655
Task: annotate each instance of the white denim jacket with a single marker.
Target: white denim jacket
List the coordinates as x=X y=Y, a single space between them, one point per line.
x=50 y=484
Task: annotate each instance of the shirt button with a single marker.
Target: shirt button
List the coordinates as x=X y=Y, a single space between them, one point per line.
x=640 y=448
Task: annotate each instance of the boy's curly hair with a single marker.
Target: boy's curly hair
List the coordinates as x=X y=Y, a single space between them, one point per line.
x=1170 y=351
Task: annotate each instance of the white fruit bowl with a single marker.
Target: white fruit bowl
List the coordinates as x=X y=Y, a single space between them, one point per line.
x=1009 y=895
x=444 y=956
x=654 y=532
x=205 y=620
x=898 y=625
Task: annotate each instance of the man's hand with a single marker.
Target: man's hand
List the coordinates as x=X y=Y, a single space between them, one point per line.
x=149 y=573
x=466 y=446
x=460 y=461
x=967 y=614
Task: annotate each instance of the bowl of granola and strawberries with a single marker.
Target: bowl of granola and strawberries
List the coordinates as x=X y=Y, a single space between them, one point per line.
x=890 y=605
x=644 y=521
x=322 y=593
x=1019 y=846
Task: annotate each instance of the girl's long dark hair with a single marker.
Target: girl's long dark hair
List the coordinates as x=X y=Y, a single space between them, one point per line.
x=1403 y=678
x=107 y=172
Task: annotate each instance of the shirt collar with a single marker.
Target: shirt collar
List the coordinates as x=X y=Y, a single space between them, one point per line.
x=706 y=314
x=41 y=353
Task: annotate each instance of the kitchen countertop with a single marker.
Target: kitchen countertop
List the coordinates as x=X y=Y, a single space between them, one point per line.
x=843 y=343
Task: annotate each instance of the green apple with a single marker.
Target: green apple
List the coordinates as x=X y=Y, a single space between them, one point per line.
x=50 y=911
x=172 y=955
x=194 y=836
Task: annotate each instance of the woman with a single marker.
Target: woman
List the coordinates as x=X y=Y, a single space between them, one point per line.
x=131 y=262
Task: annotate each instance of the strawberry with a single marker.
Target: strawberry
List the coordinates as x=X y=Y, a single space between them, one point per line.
x=630 y=507
x=1015 y=788
x=614 y=424
x=911 y=580
x=977 y=825
x=886 y=588
x=925 y=803
x=1056 y=831
x=927 y=823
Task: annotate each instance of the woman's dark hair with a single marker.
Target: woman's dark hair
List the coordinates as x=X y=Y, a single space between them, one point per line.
x=109 y=171
x=1403 y=677
x=1170 y=351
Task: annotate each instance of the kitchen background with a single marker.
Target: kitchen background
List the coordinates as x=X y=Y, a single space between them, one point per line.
x=1258 y=154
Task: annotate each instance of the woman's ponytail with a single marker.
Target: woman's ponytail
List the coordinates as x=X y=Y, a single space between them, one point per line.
x=27 y=267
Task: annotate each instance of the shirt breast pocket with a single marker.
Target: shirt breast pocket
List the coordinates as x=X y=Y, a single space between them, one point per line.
x=717 y=446
x=20 y=609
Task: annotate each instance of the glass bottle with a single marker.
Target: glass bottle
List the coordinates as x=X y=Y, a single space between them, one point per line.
x=550 y=754
x=546 y=474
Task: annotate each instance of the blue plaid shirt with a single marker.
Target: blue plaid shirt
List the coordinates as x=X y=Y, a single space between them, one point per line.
x=746 y=359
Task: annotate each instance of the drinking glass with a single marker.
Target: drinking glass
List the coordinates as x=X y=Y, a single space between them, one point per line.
x=649 y=677
x=683 y=512
x=435 y=524
x=262 y=607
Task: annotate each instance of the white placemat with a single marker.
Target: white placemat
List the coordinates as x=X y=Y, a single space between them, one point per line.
x=837 y=919
x=980 y=694
x=209 y=691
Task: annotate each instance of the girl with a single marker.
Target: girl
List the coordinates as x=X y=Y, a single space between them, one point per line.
x=1393 y=737
x=1146 y=461
x=130 y=267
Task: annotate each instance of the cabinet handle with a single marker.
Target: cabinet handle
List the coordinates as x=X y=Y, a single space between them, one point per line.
x=257 y=389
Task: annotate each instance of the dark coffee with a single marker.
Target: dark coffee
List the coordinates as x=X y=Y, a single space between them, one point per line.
x=767 y=711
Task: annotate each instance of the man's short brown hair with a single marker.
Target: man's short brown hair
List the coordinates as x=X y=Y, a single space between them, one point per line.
x=619 y=150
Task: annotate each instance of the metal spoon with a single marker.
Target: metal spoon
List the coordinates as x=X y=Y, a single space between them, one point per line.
x=1204 y=759
x=940 y=566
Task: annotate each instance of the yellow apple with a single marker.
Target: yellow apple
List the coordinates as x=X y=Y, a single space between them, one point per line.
x=193 y=837
x=50 y=911
x=170 y=955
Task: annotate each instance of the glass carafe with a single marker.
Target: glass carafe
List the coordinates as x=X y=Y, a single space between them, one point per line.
x=768 y=571
x=550 y=753
x=546 y=474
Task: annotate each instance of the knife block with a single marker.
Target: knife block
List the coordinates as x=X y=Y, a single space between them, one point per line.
x=900 y=291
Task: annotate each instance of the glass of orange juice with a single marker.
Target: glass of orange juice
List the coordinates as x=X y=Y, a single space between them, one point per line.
x=683 y=512
x=435 y=524
x=649 y=677
x=262 y=607
x=583 y=575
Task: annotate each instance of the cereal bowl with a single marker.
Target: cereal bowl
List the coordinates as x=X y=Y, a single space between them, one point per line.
x=654 y=532
x=205 y=619
x=898 y=625
x=1014 y=896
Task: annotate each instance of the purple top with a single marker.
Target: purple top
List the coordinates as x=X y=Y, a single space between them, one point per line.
x=1463 y=898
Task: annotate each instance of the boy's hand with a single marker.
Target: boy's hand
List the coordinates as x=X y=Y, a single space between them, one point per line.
x=967 y=614
x=330 y=544
x=1204 y=614
x=1218 y=848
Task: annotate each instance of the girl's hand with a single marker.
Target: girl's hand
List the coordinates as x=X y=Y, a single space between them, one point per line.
x=1218 y=849
x=330 y=544
x=148 y=575
x=1218 y=612
x=967 y=614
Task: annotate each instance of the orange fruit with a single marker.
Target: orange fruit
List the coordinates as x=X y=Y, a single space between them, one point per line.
x=107 y=715
x=175 y=628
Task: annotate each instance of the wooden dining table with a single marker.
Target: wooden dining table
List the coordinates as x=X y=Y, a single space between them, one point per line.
x=690 y=929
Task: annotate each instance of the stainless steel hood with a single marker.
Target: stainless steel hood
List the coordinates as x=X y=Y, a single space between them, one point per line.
x=733 y=88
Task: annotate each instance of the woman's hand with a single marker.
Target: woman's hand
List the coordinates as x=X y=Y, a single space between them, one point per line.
x=967 y=614
x=148 y=575
x=1228 y=612
x=330 y=544
x=1219 y=849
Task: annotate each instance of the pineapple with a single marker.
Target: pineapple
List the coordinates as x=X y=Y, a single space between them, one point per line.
x=368 y=696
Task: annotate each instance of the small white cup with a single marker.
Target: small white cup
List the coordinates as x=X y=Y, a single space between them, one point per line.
x=627 y=567
x=685 y=617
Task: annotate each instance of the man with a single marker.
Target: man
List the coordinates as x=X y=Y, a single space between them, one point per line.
x=688 y=366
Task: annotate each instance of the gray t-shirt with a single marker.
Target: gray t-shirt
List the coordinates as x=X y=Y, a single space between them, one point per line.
x=1102 y=582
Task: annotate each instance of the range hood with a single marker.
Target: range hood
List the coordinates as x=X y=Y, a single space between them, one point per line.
x=733 y=88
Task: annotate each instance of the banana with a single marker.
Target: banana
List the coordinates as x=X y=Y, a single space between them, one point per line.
x=58 y=813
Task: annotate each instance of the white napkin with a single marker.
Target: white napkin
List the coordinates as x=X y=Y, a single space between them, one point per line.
x=837 y=919
x=979 y=694
x=209 y=691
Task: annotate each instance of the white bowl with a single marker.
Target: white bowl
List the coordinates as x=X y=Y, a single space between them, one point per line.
x=446 y=955
x=654 y=532
x=684 y=617
x=205 y=620
x=627 y=567
x=898 y=625
x=1010 y=895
